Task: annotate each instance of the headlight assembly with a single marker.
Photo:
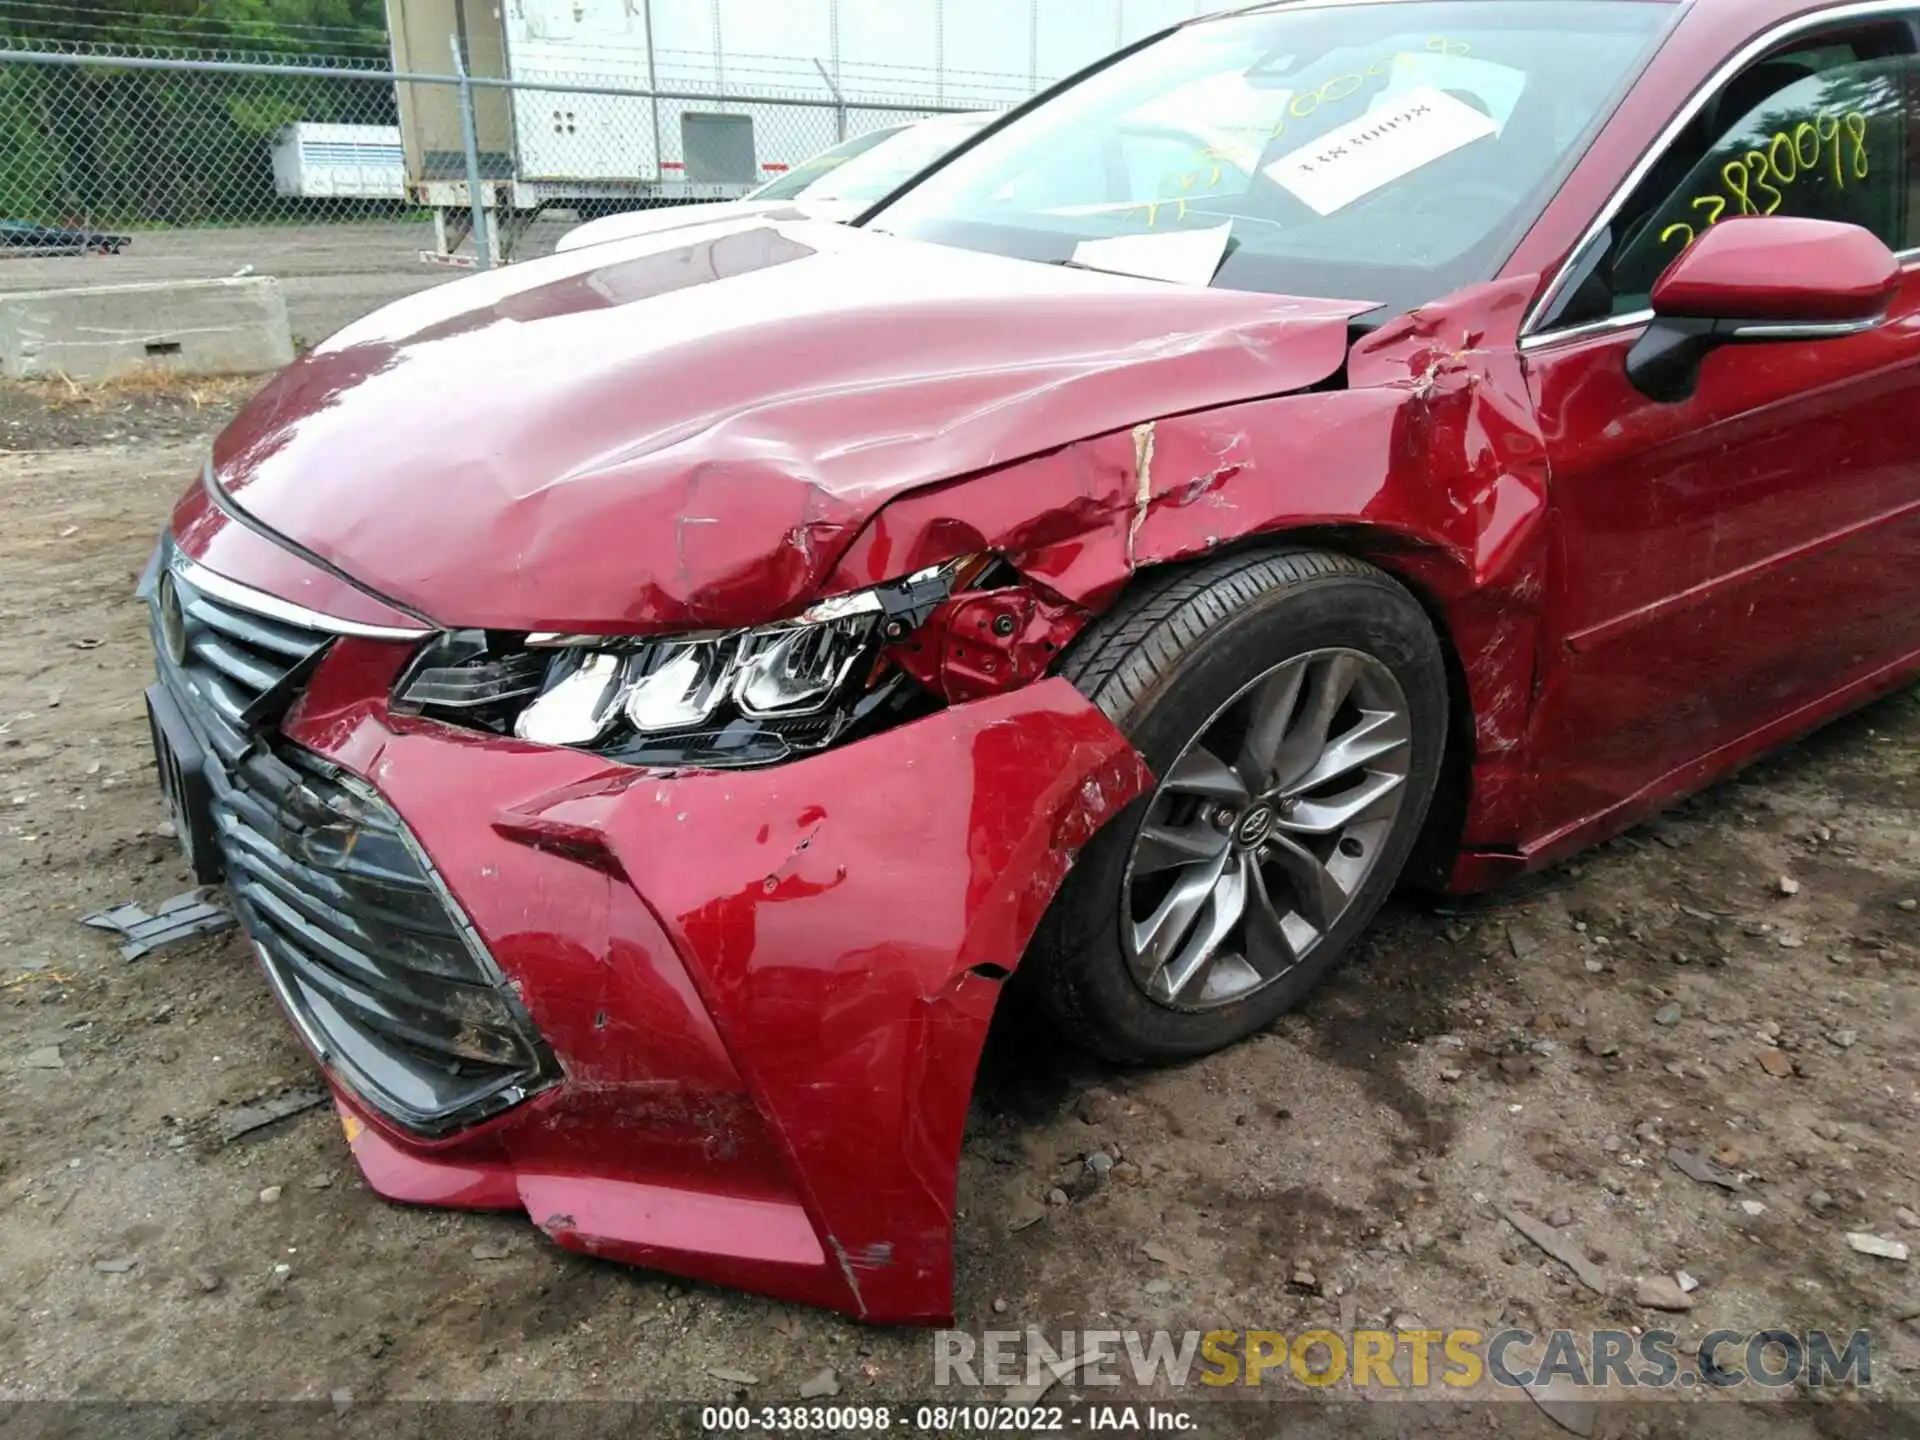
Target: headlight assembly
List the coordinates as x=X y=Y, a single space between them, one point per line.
x=737 y=697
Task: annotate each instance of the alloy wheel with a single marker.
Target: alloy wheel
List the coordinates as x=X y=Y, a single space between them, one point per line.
x=1265 y=828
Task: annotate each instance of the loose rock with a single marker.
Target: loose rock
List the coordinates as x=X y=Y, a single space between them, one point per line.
x=1875 y=1245
x=822 y=1386
x=1558 y=1247
x=1024 y=1211
x=1575 y=1416
x=1154 y=1250
x=1668 y=1015
x=1696 y=1166
x=733 y=1377
x=1660 y=1293
x=47 y=1057
x=1096 y=1107
x=1776 y=1063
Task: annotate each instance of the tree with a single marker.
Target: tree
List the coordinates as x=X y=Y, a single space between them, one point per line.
x=102 y=144
x=316 y=25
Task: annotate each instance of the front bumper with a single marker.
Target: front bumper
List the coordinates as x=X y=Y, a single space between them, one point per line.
x=754 y=1001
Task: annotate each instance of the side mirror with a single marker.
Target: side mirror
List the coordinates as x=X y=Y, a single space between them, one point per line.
x=1760 y=278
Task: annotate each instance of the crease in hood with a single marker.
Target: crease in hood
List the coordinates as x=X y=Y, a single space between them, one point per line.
x=687 y=429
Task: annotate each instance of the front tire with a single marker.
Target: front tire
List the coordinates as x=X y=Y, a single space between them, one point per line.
x=1294 y=708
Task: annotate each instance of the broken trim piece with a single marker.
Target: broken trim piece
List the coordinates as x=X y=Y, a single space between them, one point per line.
x=186 y=916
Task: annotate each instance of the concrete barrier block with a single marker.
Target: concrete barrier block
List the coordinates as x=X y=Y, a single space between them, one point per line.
x=234 y=326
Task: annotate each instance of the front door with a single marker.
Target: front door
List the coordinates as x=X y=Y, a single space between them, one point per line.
x=1727 y=563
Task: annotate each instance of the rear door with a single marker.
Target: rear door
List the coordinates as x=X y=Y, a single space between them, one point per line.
x=1726 y=564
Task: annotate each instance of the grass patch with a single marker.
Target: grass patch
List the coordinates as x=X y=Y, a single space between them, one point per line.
x=195 y=392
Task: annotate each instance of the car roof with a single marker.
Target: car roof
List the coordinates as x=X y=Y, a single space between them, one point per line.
x=1737 y=19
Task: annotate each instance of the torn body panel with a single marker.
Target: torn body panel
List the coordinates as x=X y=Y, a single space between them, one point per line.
x=767 y=990
x=1428 y=463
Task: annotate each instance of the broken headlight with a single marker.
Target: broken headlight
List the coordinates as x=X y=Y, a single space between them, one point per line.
x=734 y=697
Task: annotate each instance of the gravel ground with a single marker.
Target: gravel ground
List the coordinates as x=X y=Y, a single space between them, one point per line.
x=1740 y=979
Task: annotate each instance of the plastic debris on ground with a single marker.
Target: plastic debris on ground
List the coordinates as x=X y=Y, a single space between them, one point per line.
x=185 y=916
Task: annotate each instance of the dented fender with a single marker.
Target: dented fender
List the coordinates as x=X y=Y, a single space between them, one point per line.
x=1427 y=461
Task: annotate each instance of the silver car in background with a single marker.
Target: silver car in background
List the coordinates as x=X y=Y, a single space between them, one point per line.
x=836 y=184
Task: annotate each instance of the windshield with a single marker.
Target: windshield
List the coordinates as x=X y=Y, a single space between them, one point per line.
x=1389 y=153
x=878 y=172
x=809 y=172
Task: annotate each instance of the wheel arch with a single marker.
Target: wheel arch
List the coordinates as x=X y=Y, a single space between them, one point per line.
x=1431 y=574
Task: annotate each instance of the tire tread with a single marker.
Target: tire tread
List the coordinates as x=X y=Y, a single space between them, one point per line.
x=1121 y=662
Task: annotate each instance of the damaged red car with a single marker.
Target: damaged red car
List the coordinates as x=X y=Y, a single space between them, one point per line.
x=649 y=702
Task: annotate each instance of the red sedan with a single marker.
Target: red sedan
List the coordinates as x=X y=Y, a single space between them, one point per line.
x=648 y=702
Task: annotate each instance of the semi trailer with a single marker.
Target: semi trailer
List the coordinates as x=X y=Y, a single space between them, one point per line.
x=617 y=104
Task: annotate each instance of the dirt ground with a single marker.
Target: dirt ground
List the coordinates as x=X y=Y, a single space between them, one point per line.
x=1540 y=1049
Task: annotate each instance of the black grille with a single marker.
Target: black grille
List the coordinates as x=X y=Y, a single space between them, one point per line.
x=385 y=977
x=236 y=663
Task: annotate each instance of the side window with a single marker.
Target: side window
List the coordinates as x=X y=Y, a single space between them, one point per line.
x=1817 y=132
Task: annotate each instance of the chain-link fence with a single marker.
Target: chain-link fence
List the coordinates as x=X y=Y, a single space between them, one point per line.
x=344 y=176
x=104 y=142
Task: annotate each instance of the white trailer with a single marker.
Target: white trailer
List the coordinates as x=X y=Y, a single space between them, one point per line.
x=589 y=151
x=336 y=162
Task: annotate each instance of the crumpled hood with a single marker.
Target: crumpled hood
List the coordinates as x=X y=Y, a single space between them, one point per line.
x=687 y=429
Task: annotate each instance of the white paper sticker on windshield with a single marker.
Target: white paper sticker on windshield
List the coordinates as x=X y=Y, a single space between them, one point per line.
x=1385 y=144
x=1182 y=257
x=1497 y=87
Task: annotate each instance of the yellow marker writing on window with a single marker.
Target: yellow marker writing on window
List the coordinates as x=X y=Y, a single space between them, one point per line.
x=1828 y=148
